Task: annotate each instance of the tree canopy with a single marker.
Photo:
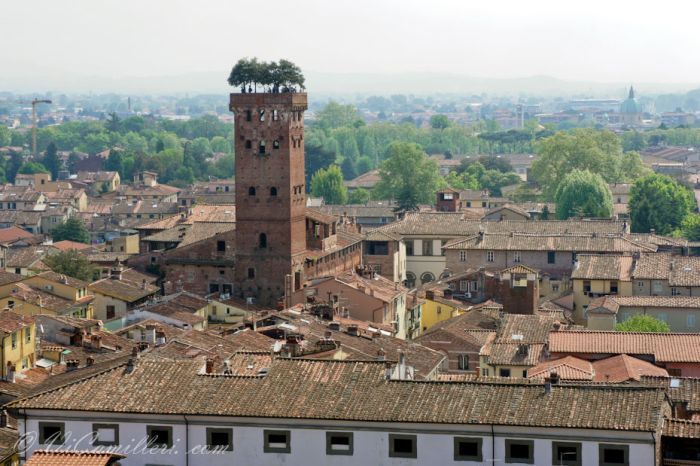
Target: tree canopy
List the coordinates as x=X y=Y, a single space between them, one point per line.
x=408 y=176
x=71 y=263
x=583 y=194
x=643 y=323
x=282 y=76
x=72 y=229
x=583 y=149
x=660 y=203
x=328 y=184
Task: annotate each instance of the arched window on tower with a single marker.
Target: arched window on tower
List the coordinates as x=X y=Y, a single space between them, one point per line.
x=273 y=191
x=276 y=144
x=261 y=148
x=262 y=241
x=251 y=191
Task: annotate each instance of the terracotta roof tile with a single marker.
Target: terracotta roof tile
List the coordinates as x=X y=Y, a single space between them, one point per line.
x=568 y=368
x=622 y=368
x=664 y=347
x=351 y=391
x=681 y=428
x=71 y=458
x=603 y=267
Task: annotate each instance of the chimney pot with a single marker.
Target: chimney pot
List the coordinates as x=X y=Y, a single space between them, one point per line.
x=209 y=367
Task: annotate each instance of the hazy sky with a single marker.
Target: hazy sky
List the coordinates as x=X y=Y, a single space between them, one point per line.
x=611 y=40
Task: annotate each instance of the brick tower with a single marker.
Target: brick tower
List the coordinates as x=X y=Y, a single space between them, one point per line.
x=270 y=192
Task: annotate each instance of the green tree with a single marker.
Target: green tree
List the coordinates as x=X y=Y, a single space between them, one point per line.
x=221 y=144
x=359 y=196
x=583 y=149
x=335 y=115
x=439 y=122
x=408 y=176
x=643 y=323
x=51 y=160
x=5 y=136
x=30 y=168
x=72 y=229
x=690 y=228
x=660 y=203
x=71 y=263
x=583 y=194
x=329 y=185
x=349 y=168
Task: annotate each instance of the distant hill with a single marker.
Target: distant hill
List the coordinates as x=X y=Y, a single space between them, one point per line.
x=340 y=84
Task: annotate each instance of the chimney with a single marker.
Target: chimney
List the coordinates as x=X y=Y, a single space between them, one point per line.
x=209 y=366
x=547 y=385
x=135 y=352
x=556 y=325
x=143 y=284
x=72 y=364
x=89 y=361
x=130 y=365
x=353 y=330
x=335 y=326
x=327 y=334
x=96 y=342
x=522 y=349
x=381 y=355
x=227 y=367
x=554 y=377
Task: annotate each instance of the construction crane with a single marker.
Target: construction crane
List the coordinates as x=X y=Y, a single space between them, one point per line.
x=34 y=102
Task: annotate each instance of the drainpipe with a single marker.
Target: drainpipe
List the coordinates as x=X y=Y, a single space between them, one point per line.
x=493 y=446
x=187 y=441
x=653 y=438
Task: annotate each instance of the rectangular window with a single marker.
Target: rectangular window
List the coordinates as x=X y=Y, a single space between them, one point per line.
x=468 y=449
x=516 y=256
x=464 y=285
x=402 y=446
x=105 y=434
x=277 y=441
x=484 y=372
x=640 y=284
x=675 y=291
x=427 y=247
x=490 y=256
x=690 y=321
x=160 y=436
x=275 y=115
x=586 y=286
x=409 y=247
x=551 y=257
x=213 y=288
x=504 y=372
x=566 y=453
x=251 y=273
x=219 y=439
x=111 y=312
x=463 y=362
x=339 y=443
x=14 y=340
x=28 y=334
x=656 y=286
x=613 y=455
x=248 y=115
x=51 y=433
x=221 y=246
x=463 y=256
x=613 y=287
x=378 y=248
x=520 y=451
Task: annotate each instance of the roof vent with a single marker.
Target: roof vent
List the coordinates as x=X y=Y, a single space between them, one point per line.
x=262 y=372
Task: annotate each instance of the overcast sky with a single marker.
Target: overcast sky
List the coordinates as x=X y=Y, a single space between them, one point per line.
x=591 y=40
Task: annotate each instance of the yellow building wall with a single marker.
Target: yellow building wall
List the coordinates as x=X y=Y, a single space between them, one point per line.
x=433 y=312
x=23 y=349
x=597 y=286
x=59 y=289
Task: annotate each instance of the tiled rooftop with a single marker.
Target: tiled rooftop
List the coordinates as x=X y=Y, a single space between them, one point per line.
x=351 y=391
x=603 y=267
x=678 y=270
x=664 y=347
x=71 y=458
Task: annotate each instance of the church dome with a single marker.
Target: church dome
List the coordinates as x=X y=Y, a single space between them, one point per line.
x=630 y=105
